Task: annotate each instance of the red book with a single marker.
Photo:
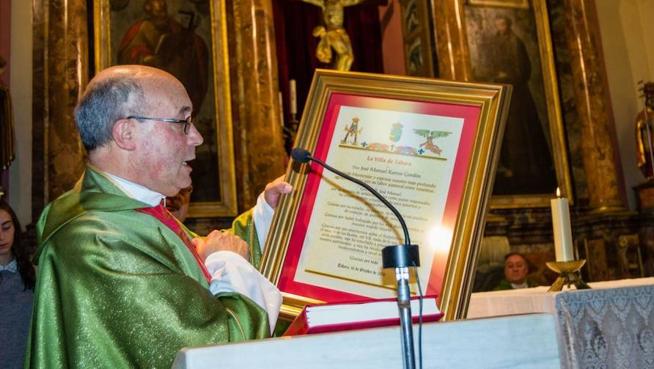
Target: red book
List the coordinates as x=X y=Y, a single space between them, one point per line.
x=358 y=315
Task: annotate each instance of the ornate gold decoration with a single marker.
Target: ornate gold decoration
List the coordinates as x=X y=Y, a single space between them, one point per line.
x=645 y=133
x=60 y=76
x=259 y=143
x=521 y=4
x=332 y=34
x=593 y=104
x=452 y=41
x=568 y=274
x=417 y=35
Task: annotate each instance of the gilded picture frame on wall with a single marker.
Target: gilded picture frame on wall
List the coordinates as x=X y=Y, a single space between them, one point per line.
x=511 y=43
x=521 y=4
x=189 y=40
x=428 y=145
x=416 y=34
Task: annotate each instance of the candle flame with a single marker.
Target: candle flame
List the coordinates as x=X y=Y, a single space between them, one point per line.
x=558 y=192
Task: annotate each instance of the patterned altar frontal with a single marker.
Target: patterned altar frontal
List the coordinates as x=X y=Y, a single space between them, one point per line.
x=608 y=328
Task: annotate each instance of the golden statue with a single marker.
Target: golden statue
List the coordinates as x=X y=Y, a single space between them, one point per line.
x=645 y=133
x=332 y=34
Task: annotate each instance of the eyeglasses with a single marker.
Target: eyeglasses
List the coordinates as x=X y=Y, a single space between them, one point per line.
x=186 y=122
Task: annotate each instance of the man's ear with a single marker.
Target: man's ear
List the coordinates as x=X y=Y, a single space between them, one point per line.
x=124 y=134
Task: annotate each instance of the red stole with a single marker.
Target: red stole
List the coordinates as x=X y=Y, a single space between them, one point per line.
x=164 y=216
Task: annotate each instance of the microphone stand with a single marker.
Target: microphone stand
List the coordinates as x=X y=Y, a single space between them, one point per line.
x=399 y=257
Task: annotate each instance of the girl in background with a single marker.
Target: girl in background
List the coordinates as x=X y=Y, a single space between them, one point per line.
x=17 y=278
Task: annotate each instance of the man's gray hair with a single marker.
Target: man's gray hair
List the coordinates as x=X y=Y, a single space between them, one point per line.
x=104 y=102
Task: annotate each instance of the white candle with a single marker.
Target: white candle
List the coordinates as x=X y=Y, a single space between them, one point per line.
x=292 y=97
x=563 y=246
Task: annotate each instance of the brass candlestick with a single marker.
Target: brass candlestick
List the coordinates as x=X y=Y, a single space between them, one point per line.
x=568 y=274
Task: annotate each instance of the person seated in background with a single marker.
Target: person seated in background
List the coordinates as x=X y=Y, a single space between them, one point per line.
x=516 y=269
x=490 y=263
x=17 y=279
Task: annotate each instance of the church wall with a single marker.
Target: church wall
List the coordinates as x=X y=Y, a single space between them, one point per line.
x=21 y=90
x=629 y=58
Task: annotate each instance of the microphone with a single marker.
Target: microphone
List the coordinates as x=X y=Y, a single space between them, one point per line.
x=400 y=257
x=303 y=156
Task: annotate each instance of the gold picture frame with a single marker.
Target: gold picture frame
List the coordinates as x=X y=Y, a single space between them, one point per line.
x=191 y=43
x=470 y=115
x=521 y=4
x=416 y=34
x=528 y=24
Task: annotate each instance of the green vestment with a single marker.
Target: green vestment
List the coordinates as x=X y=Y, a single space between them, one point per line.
x=506 y=285
x=118 y=289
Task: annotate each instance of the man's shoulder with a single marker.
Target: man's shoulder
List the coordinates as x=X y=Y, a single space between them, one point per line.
x=86 y=215
x=78 y=206
x=100 y=223
x=102 y=234
x=532 y=283
x=503 y=285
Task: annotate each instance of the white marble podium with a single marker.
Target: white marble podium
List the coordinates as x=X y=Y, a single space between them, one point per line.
x=523 y=341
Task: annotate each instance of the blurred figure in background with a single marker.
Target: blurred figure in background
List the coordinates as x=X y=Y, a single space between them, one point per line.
x=516 y=269
x=17 y=277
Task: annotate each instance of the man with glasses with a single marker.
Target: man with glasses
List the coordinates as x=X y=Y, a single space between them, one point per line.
x=122 y=283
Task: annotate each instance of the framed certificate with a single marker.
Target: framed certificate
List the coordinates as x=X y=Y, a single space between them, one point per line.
x=428 y=146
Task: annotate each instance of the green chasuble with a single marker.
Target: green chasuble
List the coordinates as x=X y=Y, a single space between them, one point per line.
x=506 y=285
x=118 y=289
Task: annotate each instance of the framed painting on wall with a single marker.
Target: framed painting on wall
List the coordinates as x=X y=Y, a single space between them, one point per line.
x=509 y=42
x=429 y=146
x=189 y=40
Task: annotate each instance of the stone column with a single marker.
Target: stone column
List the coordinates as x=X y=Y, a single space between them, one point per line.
x=258 y=140
x=451 y=40
x=599 y=148
x=60 y=75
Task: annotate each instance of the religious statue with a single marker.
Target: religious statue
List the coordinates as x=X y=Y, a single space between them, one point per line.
x=332 y=34
x=645 y=133
x=6 y=123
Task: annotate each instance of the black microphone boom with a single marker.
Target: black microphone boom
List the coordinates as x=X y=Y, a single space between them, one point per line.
x=400 y=257
x=303 y=156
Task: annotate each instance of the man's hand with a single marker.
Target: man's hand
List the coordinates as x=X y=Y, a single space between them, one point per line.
x=220 y=241
x=274 y=190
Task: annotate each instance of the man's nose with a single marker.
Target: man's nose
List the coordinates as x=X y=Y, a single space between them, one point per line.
x=194 y=136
